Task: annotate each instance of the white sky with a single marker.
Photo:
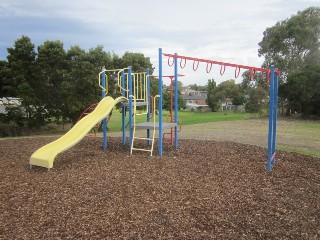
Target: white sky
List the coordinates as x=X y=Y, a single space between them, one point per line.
x=228 y=30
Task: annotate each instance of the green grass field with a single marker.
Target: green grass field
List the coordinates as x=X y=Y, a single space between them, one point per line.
x=186 y=118
x=292 y=135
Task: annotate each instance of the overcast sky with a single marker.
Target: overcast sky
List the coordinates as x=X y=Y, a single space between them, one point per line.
x=227 y=30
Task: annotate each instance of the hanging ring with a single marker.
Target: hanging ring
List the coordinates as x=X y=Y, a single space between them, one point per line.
x=237 y=72
x=208 y=69
x=195 y=66
x=170 y=64
x=222 y=69
x=184 y=63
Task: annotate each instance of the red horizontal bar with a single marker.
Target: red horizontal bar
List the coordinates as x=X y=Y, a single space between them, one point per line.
x=224 y=64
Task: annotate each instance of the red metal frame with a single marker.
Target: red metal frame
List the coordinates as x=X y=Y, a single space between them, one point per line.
x=86 y=112
x=171 y=133
x=223 y=65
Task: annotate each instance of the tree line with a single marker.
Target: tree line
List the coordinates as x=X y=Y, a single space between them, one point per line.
x=293 y=46
x=55 y=84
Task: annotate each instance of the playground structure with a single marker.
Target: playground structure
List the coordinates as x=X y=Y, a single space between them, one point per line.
x=135 y=88
x=272 y=78
x=135 y=92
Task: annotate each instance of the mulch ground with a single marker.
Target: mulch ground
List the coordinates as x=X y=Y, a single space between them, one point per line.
x=203 y=190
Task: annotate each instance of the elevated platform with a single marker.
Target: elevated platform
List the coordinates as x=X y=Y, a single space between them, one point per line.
x=149 y=125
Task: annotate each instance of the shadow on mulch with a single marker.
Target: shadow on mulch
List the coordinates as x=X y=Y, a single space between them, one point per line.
x=203 y=190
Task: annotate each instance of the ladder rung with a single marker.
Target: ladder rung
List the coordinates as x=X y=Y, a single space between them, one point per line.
x=140 y=149
x=143 y=138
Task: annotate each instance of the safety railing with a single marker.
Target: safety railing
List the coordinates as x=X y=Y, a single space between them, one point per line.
x=139 y=85
x=106 y=88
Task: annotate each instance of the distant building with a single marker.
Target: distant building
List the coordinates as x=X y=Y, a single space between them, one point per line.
x=8 y=102
x=227 y=105
x=196 y=100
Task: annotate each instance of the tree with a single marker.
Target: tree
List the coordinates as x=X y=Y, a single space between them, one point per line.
x=166 y=100
x=229 y=89
x=21 y=62
x=293 y=43
x=81 y=87
x=303 y=91
x=138 y=61
x=59 y=85
x=6 y=89
x=83 y=76
x=225 y=90
x=22 y=82
x=51 y=73
x=256 y=92
x=212 y=98
x=197 y=87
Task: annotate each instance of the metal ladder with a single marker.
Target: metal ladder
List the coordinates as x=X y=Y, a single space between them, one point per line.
x=134 y=129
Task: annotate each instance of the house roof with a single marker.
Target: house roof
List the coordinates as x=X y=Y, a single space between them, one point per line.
x=195 y=96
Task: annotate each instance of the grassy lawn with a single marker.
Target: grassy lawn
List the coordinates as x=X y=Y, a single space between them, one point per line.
x=186 y=118
x=292 y=135
x=299 y=136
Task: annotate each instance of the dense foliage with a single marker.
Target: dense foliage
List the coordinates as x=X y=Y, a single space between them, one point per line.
x=55 y=84
x=227 y=91
x=302 y=91
x=293 y=46
x=293 y=43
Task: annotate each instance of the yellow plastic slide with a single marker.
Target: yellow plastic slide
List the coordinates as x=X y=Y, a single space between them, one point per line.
x=45 y=155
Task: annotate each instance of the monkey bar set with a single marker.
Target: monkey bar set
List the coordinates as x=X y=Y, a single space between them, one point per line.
x=135 y=87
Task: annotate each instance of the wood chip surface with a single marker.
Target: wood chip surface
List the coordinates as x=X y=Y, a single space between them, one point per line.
x=203 y=190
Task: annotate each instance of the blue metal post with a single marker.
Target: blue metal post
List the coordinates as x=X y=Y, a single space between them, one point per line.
x=160 y=101
x=149 y=104
x=275 y=110
x=123 y=110
x=130 y=104
x=104 y=121
x=271 y=113
x=176 y=102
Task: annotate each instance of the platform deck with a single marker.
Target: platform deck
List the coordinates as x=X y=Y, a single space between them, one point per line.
x=149 y=125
